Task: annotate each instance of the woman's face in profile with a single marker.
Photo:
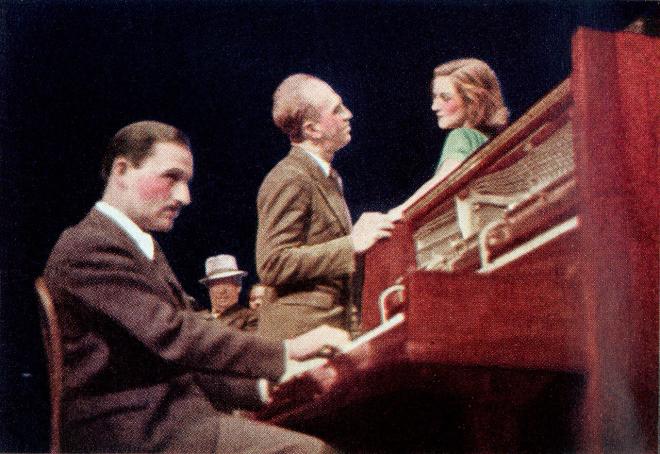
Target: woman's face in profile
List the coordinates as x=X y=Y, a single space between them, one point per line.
x=447 y=103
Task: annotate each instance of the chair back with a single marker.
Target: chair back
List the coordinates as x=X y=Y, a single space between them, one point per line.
x=50 y=332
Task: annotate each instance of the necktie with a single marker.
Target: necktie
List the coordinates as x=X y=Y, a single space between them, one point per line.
x=337 y=179
x=334 y=175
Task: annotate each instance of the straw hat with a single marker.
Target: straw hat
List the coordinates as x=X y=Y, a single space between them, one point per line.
x=219 y=266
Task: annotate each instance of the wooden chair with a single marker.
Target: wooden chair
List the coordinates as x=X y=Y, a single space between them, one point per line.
x=50 y=332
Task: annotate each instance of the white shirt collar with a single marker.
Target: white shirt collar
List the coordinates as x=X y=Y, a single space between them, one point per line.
x=142 y=239
x=323 y=164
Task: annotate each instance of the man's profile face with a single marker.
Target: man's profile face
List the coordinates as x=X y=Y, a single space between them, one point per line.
x=223 y=293
x=157 y=189
x=333 y=122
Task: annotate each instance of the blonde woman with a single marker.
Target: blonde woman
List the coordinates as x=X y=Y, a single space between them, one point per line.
x=466 y=99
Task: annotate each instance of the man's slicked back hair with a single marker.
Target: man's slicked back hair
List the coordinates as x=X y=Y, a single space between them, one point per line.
x=135 y=142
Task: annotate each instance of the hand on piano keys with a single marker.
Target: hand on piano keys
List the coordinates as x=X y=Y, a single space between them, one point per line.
x=305 y=380
x=295 y=368
x=314 y=343
x=311 y=349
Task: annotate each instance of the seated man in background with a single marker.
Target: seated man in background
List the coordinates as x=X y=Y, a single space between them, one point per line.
x=133 y=347
x=258 y=293
x=224 y=281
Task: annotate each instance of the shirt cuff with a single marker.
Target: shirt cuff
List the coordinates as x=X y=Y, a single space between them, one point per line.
x=286 y=354
x=262 y=388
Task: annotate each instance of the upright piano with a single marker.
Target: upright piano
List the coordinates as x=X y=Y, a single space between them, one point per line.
x=515 y=307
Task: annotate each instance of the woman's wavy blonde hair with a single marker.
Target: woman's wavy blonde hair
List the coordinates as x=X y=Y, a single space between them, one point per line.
x=479 y=88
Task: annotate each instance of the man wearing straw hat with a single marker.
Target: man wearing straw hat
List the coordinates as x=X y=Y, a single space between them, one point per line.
x=224 y=282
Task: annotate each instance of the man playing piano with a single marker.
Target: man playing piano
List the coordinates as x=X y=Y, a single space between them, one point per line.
x=133 y=347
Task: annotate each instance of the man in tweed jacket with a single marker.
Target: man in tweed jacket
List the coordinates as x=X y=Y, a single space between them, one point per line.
x=306 y=246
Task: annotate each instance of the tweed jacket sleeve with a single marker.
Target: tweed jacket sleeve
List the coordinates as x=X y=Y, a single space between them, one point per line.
x=95 y=269
x=300 y=236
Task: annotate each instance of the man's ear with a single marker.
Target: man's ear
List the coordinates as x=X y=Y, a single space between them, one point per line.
x=310 y=130
x=119 y=168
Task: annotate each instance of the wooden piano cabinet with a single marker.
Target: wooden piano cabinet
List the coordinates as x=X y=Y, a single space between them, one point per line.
x=615 y=84
x=387 y=262
x=387 y=403
x=555 y=348
x=514 y=320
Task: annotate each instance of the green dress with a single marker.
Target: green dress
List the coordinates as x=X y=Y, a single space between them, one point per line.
x=461 y=143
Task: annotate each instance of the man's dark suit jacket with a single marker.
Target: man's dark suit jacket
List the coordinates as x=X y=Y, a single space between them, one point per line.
x=240 y=317
x=133 y=347
x=304 y=250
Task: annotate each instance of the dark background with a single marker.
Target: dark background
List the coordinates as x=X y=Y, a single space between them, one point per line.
x=73 y=73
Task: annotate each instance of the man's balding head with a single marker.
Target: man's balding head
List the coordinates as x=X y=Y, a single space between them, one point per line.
x=296 y=100
x=307 y=109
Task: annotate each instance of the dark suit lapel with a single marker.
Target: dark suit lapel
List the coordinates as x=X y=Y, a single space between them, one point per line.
x=161 y=264
x=112 y=230
x=156 y=267
x=327 y=187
